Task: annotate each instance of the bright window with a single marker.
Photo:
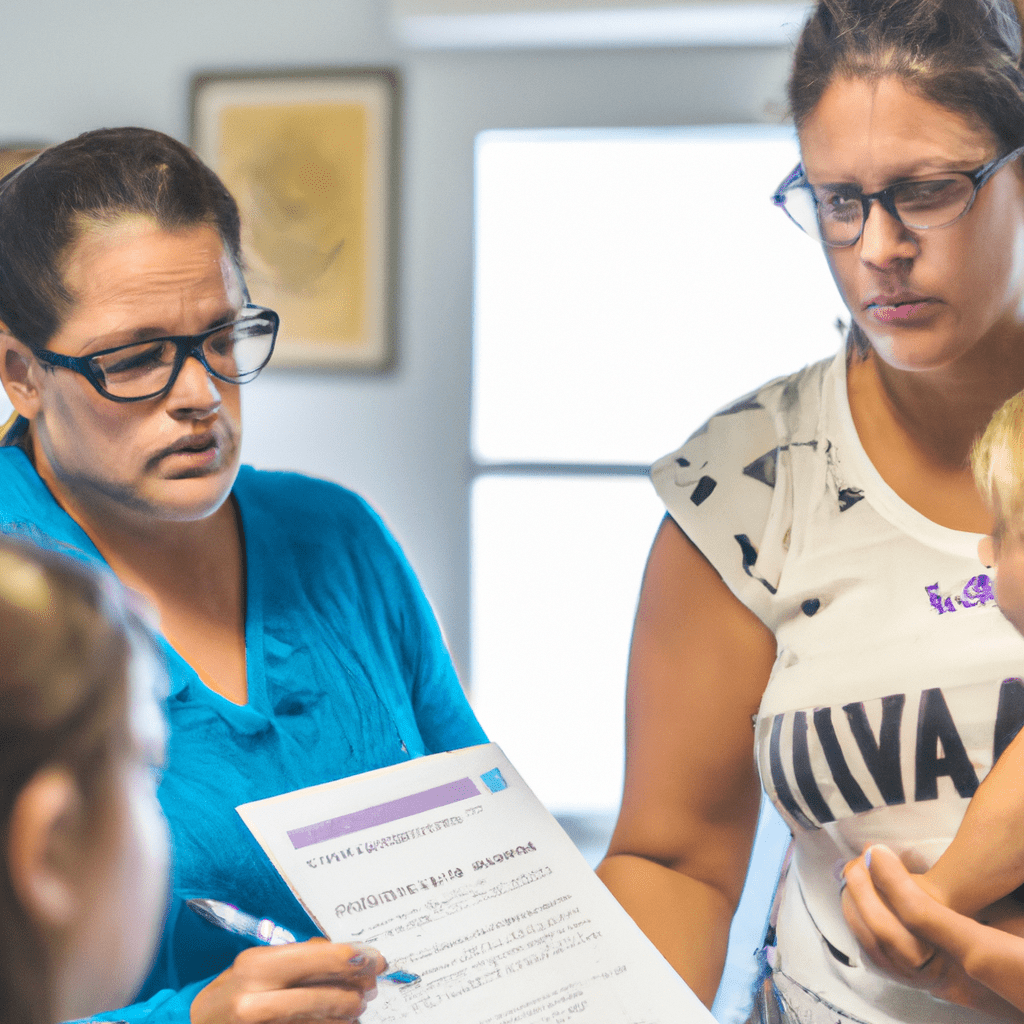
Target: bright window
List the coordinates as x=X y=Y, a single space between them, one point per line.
x=628 y=283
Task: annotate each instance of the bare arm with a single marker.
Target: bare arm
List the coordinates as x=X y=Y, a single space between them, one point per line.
x=919 y=928
x=985 y=861
x=699 y=664
x=925 y=944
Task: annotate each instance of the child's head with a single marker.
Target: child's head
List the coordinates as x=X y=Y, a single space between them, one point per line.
x=83 y=875
x=998 y=464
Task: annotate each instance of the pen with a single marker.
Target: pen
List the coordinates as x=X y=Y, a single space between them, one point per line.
x=264 y=931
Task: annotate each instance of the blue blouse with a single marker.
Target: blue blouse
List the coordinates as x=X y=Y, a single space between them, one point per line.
x=347 y=672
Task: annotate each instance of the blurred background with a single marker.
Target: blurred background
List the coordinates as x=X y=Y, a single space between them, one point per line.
x=586 y=265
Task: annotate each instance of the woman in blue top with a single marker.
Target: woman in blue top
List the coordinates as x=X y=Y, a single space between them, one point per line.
x=299 y=645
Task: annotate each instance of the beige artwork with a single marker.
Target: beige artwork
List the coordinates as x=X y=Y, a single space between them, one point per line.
x=299 y=173
x=15 y=156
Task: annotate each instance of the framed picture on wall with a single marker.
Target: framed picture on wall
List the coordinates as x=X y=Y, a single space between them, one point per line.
x=310 y=158
x=14 y=154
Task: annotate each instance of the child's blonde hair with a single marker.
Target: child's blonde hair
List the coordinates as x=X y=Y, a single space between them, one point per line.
x=997 y=460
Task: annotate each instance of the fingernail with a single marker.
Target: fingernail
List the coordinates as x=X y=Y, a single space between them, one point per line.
x=360 y=953
x=874 y=846
x=838 y=869
x=842 y=883
x=401 y=977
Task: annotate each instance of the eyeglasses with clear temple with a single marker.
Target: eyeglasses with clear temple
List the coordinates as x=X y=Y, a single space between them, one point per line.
x=835 y=214
x=234 y=352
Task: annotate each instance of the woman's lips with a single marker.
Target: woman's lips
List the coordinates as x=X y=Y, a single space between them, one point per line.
x=197 y=448
x=889 y=310
x=192 y=443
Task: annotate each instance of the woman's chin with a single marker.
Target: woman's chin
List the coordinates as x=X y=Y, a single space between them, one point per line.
x=915 y=351
x=190 y=499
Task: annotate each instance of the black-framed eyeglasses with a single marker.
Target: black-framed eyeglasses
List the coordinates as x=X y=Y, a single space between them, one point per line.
x=835 y=214
x=234 y=352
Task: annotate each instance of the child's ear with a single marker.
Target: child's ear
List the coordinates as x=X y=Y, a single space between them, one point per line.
x=987 y=551
x=44 y=848
x=18 y=369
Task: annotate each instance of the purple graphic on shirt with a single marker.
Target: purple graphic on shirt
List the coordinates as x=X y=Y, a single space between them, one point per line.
x=977 y=591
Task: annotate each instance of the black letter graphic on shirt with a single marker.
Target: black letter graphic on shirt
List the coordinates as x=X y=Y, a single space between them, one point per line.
x=934 y=726
x=882 y=756
x=1009 y=716
x=848 y=785
x=804 y=774
x=782 y=790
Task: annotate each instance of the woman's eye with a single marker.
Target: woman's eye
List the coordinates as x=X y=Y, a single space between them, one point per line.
x=224 y=341
x=839 y=206
x=934 y=193
x=138 y=359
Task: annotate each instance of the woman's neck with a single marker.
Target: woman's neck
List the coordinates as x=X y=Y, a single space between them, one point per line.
x=194 y=574
x=942 y=411
x=918 y=428
x=168 y=556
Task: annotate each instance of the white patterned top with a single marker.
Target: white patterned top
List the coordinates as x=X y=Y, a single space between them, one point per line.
x=896 y=682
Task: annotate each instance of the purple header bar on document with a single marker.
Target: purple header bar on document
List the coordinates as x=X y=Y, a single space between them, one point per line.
x=381 y=814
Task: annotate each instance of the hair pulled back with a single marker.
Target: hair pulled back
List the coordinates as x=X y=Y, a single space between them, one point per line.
x=67 y=643
x=100 y=177
x=964 y=55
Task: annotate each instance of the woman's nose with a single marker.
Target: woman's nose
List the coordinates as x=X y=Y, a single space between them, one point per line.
x=885 y=239
x=195 y=392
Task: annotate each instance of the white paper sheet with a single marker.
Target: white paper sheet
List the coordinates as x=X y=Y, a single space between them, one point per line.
x=453 y=869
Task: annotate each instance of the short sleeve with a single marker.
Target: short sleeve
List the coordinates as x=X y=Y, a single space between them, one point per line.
x=730 y=488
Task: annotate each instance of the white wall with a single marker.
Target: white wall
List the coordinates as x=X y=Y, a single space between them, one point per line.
x=429 y=7
x=564 y=24
x=401 y=439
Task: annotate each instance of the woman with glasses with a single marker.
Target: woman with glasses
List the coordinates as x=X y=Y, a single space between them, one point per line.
x=299 y=645
x=814 y=616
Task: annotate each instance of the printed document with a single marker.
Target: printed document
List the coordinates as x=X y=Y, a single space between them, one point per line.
x=454 y=870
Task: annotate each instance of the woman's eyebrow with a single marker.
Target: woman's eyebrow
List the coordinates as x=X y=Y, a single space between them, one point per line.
x=919 y=170
x=151 y=333
x=140 y=334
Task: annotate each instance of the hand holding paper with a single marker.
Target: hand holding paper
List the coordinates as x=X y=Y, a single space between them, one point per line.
x=451 y=866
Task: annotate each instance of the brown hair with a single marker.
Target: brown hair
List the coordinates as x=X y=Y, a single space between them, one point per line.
x=964 y=55
x=99 y=176
x=997 y=460
x=67 y=642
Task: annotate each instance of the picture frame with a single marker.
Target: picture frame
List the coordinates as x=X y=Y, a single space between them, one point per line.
x=14 y=154
x=310 y=158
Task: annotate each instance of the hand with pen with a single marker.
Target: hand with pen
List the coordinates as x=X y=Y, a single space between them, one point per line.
x=282 y=979
x=315 y=980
